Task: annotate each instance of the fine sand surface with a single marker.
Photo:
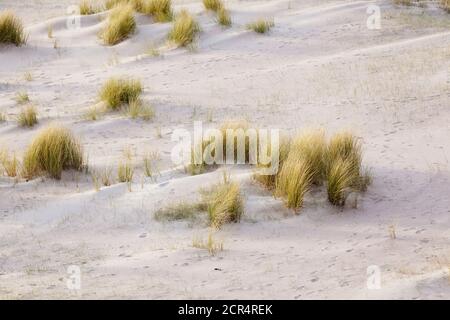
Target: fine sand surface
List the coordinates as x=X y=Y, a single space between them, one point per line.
x=320 y=66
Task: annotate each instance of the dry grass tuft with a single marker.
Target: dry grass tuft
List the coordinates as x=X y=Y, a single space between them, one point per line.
x=125 y=170
x=340 y=179
x=11 y=29
x=179 y=211
x=153 y=51
x=137 y=5
x=121 y=24
x=28 y=76
x=150 y=167
x=53 y=150
x=22 y=97
x=224 y=203
x=311 y=146
x=9 y=163
x=345 y=174
x=50 y=31
x=213 y=5
x=184 y=30
x=230 y=132
x=310 y=160
x=223 y=17
x=27 y=117
x=293 y=181
x=345 y=146
x=392 y=233
x=2 y=117
x=403 y=2
x=136 y=109
x=160 y=10
x=236 y=141
x=261 y=25
x=88 y=7
x=118 y=91
x=445 y=4
x=195 y=168
x=210 y=244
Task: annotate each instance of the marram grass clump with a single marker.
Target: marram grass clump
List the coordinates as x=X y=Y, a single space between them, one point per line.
x=344 y=168
x=340 y=179
x=53 y=150
x=223 y=17
x=184 y=30
x=10 y=163
x=261 y=25
x=293 y=181
x=160 y=10
x=445 y=5
x=88 y=7
x=120 y=25
x=213 y=5
x=269 y=180
x=11 y=29
x=118 y=91
x=236 y=142
x=224 y=203
x=27 y=117
x=309 y=160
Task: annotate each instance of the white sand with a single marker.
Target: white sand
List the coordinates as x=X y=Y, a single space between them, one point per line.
x=319 y=66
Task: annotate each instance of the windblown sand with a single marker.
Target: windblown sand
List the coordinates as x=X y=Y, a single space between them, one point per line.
x=320 y=66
